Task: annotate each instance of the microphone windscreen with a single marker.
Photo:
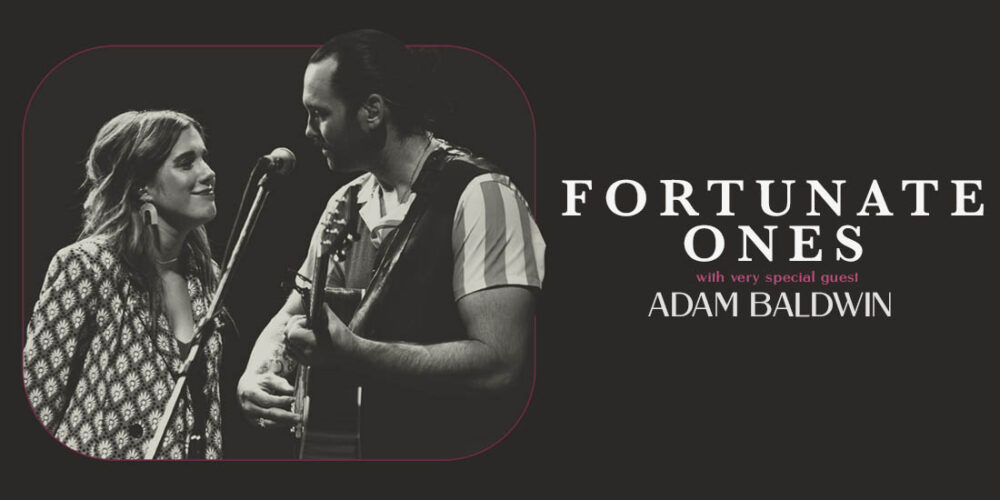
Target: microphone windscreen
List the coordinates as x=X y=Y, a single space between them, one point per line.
x=282 y=161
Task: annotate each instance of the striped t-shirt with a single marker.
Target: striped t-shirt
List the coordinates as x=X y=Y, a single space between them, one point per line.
x=494 y=239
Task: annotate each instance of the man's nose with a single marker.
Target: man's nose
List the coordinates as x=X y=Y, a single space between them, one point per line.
x=311 y=132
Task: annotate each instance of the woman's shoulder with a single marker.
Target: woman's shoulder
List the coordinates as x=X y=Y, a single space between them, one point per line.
x=93 y=251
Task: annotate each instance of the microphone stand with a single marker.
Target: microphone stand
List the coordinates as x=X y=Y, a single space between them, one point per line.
x=263 y=190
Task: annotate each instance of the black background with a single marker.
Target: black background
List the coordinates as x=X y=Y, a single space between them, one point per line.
x=622 y=400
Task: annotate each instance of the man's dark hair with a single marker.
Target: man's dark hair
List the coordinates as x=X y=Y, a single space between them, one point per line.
x=372 y=62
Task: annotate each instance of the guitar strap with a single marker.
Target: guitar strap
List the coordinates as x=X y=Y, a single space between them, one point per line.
x=387 y=258
x=389 y=252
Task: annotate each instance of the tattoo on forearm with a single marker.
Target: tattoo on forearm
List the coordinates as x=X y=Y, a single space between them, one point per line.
x=279 y=362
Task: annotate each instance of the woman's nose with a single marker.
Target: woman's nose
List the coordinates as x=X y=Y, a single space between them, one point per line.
x=207 y=175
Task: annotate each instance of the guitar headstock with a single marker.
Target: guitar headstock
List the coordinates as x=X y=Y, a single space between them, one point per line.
x=336 y=232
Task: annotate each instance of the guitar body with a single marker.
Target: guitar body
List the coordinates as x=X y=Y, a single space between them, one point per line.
x=333 y=430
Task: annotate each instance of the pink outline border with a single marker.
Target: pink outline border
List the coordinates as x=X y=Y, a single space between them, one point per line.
x=534 y=161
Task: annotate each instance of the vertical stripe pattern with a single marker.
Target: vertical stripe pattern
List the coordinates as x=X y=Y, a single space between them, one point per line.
x=495 y=241
x=532 y=267
x=458 y=239
x=496 y=235
x=475 y=240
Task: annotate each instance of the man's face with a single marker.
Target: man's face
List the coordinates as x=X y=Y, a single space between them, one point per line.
x=330 y=125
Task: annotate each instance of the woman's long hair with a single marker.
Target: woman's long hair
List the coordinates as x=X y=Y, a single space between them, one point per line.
x=124 y=157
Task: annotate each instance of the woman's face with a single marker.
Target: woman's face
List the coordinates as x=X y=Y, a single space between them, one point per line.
x=183 y=188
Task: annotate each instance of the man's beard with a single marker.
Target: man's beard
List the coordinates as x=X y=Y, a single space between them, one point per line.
x=355 y=155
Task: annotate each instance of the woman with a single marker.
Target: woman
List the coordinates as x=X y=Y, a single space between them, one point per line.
x=98 y=372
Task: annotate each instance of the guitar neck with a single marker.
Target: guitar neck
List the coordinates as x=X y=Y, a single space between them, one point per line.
x=330 y=422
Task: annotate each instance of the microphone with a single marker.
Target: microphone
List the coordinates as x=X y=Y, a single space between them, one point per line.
x=281 y=161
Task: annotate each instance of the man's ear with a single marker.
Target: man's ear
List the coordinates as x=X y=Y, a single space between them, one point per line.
x=372 y=113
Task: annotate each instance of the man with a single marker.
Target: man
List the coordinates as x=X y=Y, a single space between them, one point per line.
x=445 y=355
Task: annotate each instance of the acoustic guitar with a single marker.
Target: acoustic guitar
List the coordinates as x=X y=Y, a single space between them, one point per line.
x=328 y=399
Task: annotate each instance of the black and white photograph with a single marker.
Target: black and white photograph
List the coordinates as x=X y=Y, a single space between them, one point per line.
x=448 y=341
x=607 y=252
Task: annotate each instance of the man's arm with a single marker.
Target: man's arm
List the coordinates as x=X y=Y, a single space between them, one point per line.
x=263 y=390
x=497 y=319
x=494 y=358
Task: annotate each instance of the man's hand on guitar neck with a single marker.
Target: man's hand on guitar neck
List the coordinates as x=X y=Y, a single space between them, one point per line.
x=264 y=392
x=266 y=399
x=304 y=347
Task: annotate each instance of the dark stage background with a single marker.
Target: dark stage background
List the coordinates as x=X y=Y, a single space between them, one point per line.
x=624 y=402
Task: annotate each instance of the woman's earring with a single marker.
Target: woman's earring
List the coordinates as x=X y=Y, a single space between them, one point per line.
x=148 y=211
